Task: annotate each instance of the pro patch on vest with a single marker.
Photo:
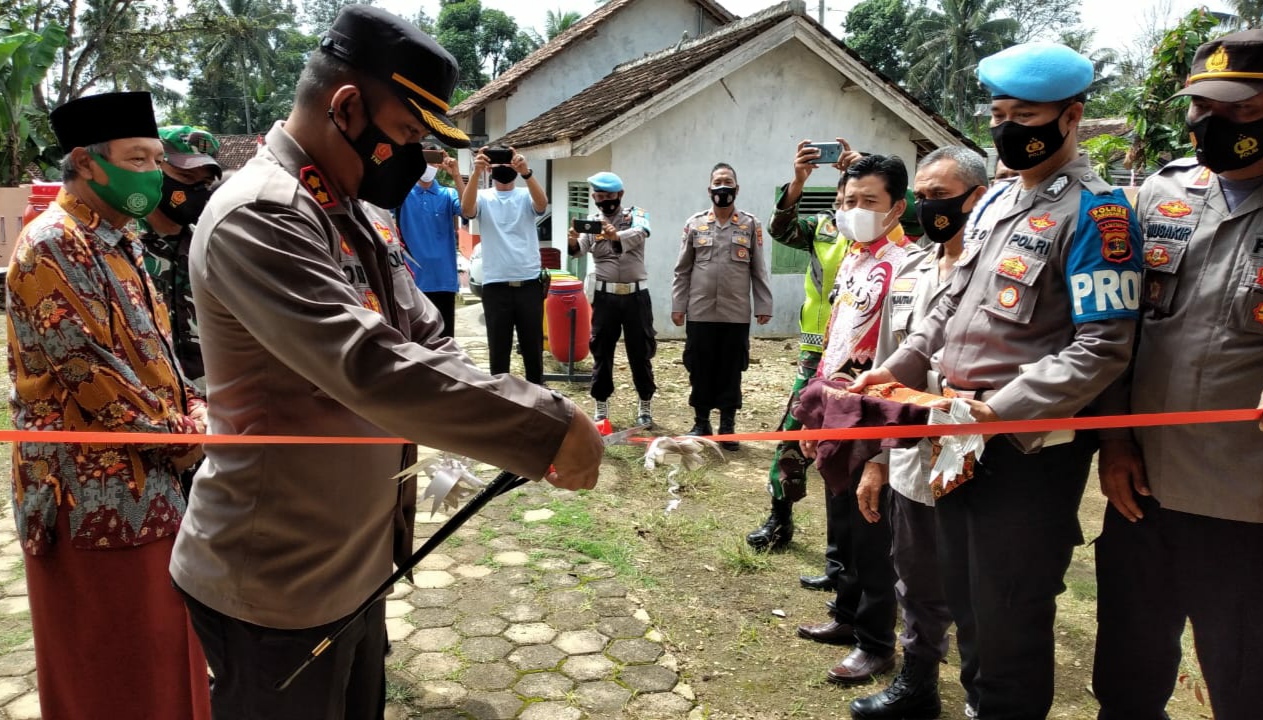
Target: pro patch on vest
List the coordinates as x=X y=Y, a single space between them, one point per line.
x=1104 y=292
x=1113 y=222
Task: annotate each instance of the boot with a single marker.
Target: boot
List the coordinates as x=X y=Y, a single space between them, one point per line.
x=777 y=531
x=701 y=423
x=644 y=413
x=602 y=411
x=727 y=425
x=913 y=695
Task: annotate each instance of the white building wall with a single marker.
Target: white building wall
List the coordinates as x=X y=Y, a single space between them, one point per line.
x=786 y=95
x=644 y=27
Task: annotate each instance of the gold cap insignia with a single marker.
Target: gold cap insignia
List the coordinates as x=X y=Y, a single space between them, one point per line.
x=1218 y=60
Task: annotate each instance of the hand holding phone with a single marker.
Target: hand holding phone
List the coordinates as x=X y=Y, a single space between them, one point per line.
x=499 y=156
x=830 y=153
x=592 y=227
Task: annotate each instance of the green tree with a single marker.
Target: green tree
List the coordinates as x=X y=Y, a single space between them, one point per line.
x=25 y=58
x=944 y=47
x=497 y=33
x=1159 y=128
x=555 y=23
x=1041 y=19
x=878 y=31
x=318 y=15
x=244 y=46
x=457 y=30
x=1249 y=12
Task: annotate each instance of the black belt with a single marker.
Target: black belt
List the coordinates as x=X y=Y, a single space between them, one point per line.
x=515 y=283
x=616 y=288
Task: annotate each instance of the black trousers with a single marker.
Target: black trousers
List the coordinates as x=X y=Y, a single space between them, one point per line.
x=446 y=303
x=507 y=308
x=1004 y=542
x=866 y=579
x=715 y=355
x=919 y=588
x=632 y=317
x=347 y=681
x=1151 y=576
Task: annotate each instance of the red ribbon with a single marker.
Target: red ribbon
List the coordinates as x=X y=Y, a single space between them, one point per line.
x=1197 y=417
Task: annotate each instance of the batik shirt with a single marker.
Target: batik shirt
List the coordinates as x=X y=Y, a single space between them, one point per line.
x=90 y=350
x=860 y=289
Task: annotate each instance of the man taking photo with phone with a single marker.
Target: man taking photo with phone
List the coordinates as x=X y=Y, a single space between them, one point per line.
x=427 y=221
x=621 y=303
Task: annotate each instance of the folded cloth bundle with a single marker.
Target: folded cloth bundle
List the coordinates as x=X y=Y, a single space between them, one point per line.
x=898 y=392
x=828 y=404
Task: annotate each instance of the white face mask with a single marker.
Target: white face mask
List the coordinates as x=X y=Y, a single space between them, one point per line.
x=430 y=173
x=860 y=224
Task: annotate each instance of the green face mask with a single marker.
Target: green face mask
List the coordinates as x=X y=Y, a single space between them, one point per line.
x=132 y=193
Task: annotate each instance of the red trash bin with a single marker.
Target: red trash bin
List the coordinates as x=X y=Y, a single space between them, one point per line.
x=563 y=297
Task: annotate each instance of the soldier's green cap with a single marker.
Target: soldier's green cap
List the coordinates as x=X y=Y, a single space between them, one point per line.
x=189 y=147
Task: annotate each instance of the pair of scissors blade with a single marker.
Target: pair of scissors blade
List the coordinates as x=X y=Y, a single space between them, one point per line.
x=622 y=437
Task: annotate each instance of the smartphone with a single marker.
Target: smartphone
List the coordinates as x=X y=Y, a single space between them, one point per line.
x=592 y=227
x=434 y=157
x=829 y=153
x=499 y=156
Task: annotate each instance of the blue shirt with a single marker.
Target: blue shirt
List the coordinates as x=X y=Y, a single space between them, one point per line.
x=510 y=245
x=426 y=222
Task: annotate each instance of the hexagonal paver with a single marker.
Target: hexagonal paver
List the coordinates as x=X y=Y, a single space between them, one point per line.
x=433 y=617
x=580 y=642
x=24 y=708
x=472 y=571
x=660 y=705
x=14 y=605
x=594 y=570
x=588 y=667
x=505 y=542
x=481 y=625
x=573 y=619
x=546 y=685
x=568 y=599
x=398 y=629
x=493 y=706
x=485 y=649
x=489 y=676
x=399 y=591
x=621 y=627
x=554 y=564
x=536 y=657
x=433 y=597
x=608 y=588
x=615 y=606
x=433 y=665
x=551 y=711
x=629 y=652
x=482 y=603
x=397 y=608
x=530 y=633
x=560 y=580
x=436 y=562
x=515 y=575
x=432 y=579
x=523 y=612
x=11 y=688
x=437 y=694
x=17 y=663
x=537 y=515
x=433 y=639
x=648 y=678
x=512 y=557
x=602 y=697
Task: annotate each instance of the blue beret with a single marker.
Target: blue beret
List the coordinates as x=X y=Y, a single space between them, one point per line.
x=1036 y=71
x=606 y=182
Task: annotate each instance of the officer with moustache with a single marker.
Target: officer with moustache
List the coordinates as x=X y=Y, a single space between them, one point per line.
x=1038 y=319
x=1183 y=533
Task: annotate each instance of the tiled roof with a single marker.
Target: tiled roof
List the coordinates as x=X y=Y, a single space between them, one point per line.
x=1092 y=127
x=509 y=79
x=635 y=82
x=236 y=150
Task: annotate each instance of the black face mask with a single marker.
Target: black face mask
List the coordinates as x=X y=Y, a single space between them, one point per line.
x=1225 y=146
x=943 y=218
x=182 y=204
x=609 y=207
x=1022 y=147
x=503 y=174
x=723 y=196
x=390 y=170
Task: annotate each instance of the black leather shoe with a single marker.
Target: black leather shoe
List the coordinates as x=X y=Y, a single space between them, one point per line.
x=701 y=427
x=913 y=695
x=860 y=667
x=728 y=426
x=817 y=582
x=829 y=633
x=778 y=531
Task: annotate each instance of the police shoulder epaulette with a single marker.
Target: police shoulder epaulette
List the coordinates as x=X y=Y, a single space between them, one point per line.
x=1094 y=184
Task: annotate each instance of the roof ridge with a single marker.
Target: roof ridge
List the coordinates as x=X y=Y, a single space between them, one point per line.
x=784 y=8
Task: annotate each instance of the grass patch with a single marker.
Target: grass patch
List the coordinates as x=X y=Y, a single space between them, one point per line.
x=572 y=527
x=14 y=631
x=739 y=559
x=6 y=423
x=486 y=533
x=401 y=693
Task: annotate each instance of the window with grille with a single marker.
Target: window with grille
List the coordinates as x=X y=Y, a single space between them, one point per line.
x=788 y=261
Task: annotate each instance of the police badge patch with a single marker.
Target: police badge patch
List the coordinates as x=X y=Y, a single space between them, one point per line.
x=1113 y=221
